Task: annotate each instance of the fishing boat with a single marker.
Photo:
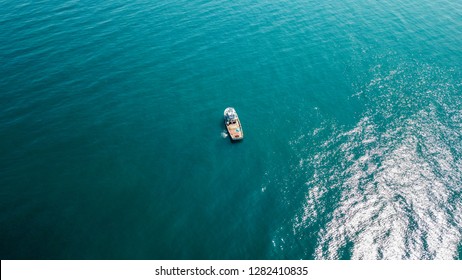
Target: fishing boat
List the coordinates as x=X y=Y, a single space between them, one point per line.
x=233 y=124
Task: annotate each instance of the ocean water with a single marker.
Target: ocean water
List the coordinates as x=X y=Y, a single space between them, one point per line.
x=112 y=141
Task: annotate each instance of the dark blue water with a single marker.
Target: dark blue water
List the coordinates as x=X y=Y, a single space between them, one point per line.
x=112 y=141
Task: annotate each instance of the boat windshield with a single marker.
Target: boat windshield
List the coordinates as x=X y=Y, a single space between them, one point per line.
x=231 y=116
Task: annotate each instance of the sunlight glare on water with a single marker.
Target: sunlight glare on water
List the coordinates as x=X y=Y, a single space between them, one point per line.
x=398 y=180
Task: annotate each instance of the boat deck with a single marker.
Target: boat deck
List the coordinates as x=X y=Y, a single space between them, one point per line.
x=235 y=130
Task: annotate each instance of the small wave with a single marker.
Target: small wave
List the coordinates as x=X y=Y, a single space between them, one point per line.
x=224 y=134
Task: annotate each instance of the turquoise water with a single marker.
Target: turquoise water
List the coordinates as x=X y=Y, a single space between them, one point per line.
x=113 y=144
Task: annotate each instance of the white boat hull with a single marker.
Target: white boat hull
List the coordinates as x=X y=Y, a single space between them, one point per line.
x=233 y=124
